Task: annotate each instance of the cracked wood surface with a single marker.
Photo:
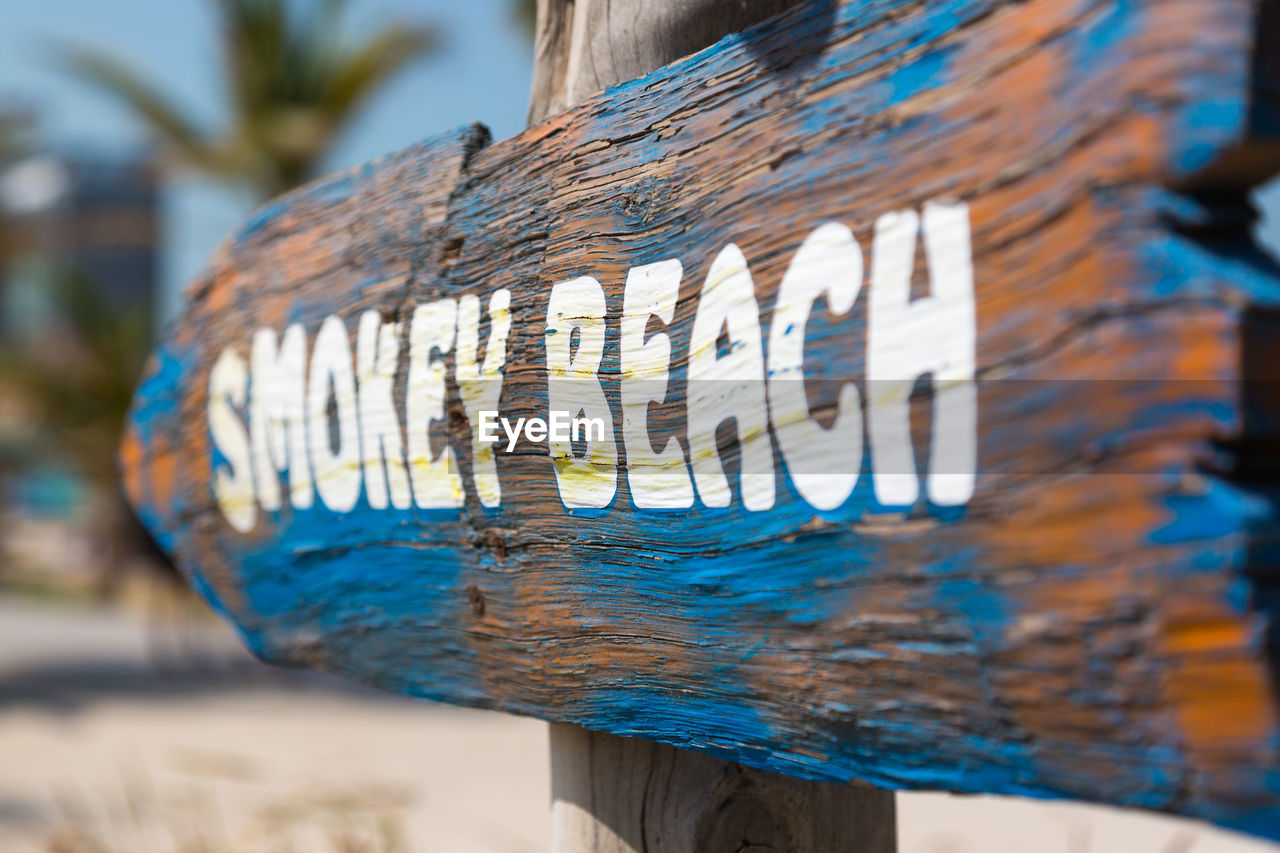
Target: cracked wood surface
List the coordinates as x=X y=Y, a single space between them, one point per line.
x=1096 y=623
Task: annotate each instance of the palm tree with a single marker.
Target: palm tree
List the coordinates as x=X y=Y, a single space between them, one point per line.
x=295 y=83
x=525 y=15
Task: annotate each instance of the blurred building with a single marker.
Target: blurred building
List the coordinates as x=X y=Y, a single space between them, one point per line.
x=79 y=280
x=92 y=215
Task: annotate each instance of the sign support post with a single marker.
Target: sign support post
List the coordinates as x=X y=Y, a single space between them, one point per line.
x=611 y=794
x=625 y=795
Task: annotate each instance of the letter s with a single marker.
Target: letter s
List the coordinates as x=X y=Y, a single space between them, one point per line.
x=233 y=488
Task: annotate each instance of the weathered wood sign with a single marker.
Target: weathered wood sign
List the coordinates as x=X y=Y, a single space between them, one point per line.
x=880 y=393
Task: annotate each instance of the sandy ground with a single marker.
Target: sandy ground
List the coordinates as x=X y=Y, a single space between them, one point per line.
x=107 y=737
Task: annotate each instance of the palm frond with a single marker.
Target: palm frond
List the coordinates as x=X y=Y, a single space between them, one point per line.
x=255 y=44
x=121 y=81
x=373 y=63
x=524 y=14
x=293 y=81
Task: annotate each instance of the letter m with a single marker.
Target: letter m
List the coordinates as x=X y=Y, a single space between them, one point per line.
x=277 y=417
x=590 y=429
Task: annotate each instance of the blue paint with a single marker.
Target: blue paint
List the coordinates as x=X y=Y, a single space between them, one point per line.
x=155 y=406
x=1100 y=41
x=337 y=188
x=1209 y=127
x=1184 y=267
x=158 y=394
x=983 y=608
x=925 y=73
x=1214 y=511
x=262 y=218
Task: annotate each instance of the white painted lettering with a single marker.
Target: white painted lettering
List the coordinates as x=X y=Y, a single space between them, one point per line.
x=337 y=472
x=277 y=416
x=907 y=339
x=658 y=479
x=377 y=353
x=481 y=385
x=437 y=483
x=572 y=385
x=823 y=463
x=731 y=385
x=232 y=482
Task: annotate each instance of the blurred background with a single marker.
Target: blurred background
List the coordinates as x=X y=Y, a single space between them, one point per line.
x=134 y=134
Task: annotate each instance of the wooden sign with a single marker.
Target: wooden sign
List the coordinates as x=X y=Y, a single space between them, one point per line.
x=881 y=393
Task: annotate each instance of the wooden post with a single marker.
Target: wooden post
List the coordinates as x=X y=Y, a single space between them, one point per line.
x=620 y=795
x=611 y=794
x=584 y=46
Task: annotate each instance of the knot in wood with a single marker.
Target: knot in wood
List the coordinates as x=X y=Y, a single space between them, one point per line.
x=476 y=598
x=744 y=822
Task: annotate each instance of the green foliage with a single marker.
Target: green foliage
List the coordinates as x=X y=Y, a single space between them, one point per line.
x=81 y=382
x=525 y=15
x=294 y=82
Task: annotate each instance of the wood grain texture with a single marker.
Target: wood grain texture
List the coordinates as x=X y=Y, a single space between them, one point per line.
x=1095 y=623
x=583 y=46
x=652 y=798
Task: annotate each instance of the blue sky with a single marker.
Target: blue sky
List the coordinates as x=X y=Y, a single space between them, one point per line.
x=482 y=73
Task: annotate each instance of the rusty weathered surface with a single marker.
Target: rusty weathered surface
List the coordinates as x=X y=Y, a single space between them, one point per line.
x=1094 y=622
